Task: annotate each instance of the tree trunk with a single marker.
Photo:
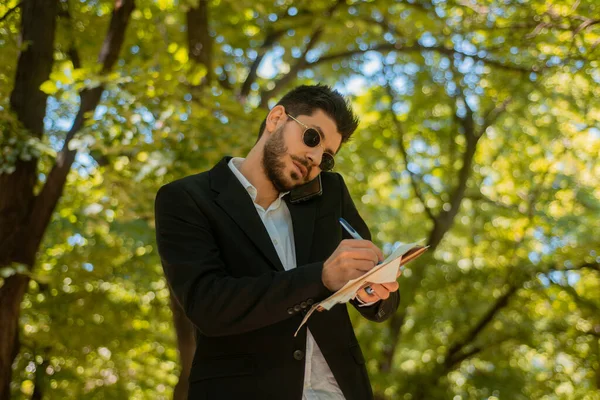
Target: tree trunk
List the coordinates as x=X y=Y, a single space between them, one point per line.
x=38 y=23
x=200 y=53
x=10 y=297
x=186 y=343
x=24 y=217
x=199 y=40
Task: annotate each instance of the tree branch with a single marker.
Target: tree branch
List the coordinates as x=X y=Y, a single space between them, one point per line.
x=485 y=320
x=492 y=115
x=11 y=10
x=302 y=62
x=478 y=196
x=445 y=218
x=458 y=353
x=33 y=67
x=293 y=72
x=450 y=52
x=199 y=40
x=586 y=24
x=590 y=305
x=271 y=37
x=46 y=201
x=72 y=51
x=400 y=130
x=458 y=358
x=477 y=9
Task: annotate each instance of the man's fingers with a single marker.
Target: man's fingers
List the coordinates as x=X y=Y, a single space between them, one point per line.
x=381 y=291
x=361 y=254
x=366 y=297
x=358 y=269
x=391 y=286
x=355 y=243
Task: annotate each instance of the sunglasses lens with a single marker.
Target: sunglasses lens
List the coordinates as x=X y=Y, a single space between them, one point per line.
x=327 y=162
x=311 y=137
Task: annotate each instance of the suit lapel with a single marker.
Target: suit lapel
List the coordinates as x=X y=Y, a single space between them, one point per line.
x=236 y=202
x=303 y=221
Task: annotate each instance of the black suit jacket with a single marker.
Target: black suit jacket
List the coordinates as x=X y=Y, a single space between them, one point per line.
x=224 y=271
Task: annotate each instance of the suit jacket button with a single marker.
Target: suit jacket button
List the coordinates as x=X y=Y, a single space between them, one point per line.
x=298 y=355
x=297 y=308
x=310 y=302
x=304 y=304
x=290 y=311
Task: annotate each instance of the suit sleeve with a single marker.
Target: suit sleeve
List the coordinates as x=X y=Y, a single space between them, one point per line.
x=217 y=303
x=382 y=310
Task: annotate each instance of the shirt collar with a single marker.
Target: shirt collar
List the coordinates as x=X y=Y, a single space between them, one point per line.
x=234 y=164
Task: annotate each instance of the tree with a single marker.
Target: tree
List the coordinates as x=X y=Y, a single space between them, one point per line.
x=24 y=213
x=478 y=134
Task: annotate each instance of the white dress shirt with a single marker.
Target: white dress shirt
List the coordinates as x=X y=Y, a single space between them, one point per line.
x=319 y=382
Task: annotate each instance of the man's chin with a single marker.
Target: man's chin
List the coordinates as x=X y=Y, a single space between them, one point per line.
x=282 y=185
x=293 y=181
x=293 y=184
x=299 y=180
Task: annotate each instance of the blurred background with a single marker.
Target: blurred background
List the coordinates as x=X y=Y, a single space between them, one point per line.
x=479 y=134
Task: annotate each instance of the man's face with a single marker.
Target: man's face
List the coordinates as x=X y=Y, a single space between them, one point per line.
x=287 y=161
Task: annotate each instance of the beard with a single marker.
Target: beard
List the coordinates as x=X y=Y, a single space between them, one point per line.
x=274 y=166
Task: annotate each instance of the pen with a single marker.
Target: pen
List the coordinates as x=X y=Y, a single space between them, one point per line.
x=350 y=229
x=355 y=235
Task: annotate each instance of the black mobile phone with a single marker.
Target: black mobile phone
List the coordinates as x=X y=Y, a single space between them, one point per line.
x=307 y=191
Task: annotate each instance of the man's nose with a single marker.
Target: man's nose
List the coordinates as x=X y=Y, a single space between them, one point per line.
x=315 y=155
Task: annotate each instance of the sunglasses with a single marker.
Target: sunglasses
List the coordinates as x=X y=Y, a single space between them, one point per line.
x=312 y=138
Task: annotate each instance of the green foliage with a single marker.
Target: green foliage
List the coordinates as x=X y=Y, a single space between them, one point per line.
x=17 y=143
x=425 y=77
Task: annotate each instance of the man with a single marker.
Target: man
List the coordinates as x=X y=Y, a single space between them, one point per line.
x=246 y=259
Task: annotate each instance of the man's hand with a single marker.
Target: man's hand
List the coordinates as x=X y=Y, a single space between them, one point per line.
x=381 y=291
x=351 y=259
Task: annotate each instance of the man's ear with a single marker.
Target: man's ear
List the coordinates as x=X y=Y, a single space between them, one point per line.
x=276 y=118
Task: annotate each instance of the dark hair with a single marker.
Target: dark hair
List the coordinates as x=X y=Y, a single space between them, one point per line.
x=305 y=100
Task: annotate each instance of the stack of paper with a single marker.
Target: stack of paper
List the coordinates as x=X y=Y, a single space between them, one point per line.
x=385 y=272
